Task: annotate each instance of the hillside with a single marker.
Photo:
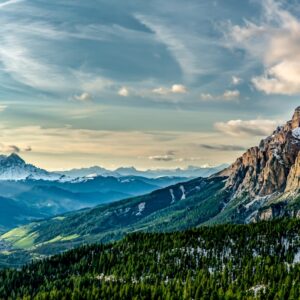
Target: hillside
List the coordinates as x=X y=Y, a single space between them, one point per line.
x=36 y=199
x=263 y=184
x=177 y=207
x=257 y=261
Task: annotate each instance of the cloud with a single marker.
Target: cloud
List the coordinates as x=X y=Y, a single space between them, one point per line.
x=27 y=149
x=236 y=80
x=10 y=2
x=175 y=89
x=83 y=97
x=208 y=97
x=169 y=156
x=3 y=107
x=21 y=47
x=275 y=43
x=13 y=148
x=244 y=128
x=123 y=92
x=165 y=158
x=231 y=95
x=189 y=159
x=223 y=147
x=176 y=41
x=227 y=96
x=171 y=152
x=161 y=91
x=179 y=89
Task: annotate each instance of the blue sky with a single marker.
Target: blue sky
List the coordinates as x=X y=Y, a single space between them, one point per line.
x=145 y=83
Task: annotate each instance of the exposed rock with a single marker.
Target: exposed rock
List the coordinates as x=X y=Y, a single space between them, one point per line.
x=271 y=167
x=293 y=181
x=296 y=118
x=266 y=215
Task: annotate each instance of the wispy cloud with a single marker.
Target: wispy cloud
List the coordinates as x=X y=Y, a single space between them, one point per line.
x=235 y=80
x=176 y=43
x=223 y=147
x=10 y=2
x=83 y=97
x=248 y=127
x=227 y=96
x=165 y=158
x=3 y=108
x=175 y=89
x=14 y=148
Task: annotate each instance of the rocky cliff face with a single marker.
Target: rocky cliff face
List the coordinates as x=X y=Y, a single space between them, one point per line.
x=272 y=167
x=293 y=181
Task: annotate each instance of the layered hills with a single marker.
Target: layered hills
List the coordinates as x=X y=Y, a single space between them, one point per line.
x=262 y=184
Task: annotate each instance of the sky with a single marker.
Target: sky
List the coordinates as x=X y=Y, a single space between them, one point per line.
x=150 y=84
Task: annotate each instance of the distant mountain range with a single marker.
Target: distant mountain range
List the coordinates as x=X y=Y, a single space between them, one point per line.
x=14 y=168
x=27 y=200
x=189 y=172
x=30 y=193
x=263 y=184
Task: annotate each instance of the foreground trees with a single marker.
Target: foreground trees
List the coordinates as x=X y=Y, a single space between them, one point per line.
x=257 y=261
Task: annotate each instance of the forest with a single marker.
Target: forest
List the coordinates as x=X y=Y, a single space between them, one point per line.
x=255 y=261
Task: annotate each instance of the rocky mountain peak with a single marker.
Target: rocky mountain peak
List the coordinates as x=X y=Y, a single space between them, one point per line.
x=13 y=167
x=296 y=118
x=15 y=158
x=270 y=167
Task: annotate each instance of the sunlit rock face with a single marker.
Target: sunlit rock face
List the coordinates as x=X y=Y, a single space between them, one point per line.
x=272 y=167
x=293 y=181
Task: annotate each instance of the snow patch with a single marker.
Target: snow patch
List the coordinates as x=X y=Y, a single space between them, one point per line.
x=297 y=258
x=172 y=196
x=276 y=154
x=256 y=289
x=141 y=208
x=183 y=197
x=296 y=133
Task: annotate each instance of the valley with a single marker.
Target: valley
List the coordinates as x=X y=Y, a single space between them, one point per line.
x=260 y=185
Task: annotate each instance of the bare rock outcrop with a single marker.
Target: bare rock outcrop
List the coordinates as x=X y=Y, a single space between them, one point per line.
x=273 y=166
x=293 y=181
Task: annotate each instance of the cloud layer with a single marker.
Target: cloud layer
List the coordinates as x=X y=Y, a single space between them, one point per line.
x=244 y=128
x=275 y=42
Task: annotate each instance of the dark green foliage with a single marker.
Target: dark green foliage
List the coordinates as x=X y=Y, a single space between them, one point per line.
x=204 y=199
x=254 y=261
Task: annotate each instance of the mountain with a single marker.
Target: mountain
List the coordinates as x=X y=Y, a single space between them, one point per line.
x=177 y=207
x=267 y=176
x=189 y=172
x=32 y=193
x=44 y=198
x=257 y=261
x=262 y=184
x=88 y=172
x=13 y=213
x=13 y=167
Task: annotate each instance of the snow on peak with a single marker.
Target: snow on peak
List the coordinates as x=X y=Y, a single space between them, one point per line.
x=296 y=133
x=14 y=168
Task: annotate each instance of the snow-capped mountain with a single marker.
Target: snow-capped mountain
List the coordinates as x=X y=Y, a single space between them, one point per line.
x=190 y=172
x=14 y=168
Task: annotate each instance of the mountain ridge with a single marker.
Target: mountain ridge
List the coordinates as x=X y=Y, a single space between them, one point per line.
x=262 y=184
x=190 y=172
x=14 y=168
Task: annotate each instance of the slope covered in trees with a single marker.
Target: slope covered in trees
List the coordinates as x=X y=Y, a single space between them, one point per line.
x=256 y=261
